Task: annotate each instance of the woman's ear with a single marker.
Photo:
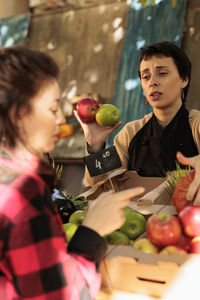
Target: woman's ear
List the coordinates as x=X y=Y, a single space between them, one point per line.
x=16 y=119
x=12 y=114
x=185 y=82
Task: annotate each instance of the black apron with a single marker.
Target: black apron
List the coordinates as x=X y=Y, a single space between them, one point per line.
x=152 y=151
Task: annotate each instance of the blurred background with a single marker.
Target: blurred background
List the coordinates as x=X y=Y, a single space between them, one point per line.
x=96 y=45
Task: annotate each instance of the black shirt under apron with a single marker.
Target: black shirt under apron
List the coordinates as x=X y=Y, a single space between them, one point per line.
x=152 y=151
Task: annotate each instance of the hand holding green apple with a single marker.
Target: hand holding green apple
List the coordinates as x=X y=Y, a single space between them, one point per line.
x=95 y=134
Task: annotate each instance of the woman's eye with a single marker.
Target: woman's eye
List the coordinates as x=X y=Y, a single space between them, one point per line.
x=163 y=73
x=145 y=77
x=54 y=111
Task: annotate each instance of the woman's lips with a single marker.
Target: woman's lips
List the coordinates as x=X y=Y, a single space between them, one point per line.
x=55 y=138
x=155 y=95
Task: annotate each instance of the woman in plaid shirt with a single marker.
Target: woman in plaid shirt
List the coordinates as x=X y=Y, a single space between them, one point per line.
x=34 y=261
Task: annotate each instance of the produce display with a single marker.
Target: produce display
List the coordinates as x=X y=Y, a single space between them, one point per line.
x=175 y=234
x=170 y=234
x=159 y=233
x=163 y=233
x=106 y=115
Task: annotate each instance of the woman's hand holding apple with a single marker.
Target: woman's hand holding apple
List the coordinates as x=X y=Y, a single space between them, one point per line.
x=95 y=134
x=106 y=212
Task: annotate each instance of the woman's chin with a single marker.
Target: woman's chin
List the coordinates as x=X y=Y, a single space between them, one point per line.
x=50 y=148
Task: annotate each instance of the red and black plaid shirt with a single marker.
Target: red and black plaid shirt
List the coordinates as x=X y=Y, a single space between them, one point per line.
x=34 y=262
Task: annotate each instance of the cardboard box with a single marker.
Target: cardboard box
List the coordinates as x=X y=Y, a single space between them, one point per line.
x=163 y=276
x=156 y=190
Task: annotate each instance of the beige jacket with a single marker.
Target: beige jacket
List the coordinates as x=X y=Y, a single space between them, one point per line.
x=124 y=137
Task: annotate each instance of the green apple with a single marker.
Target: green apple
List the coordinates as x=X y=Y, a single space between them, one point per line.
x=117 y=238
x=77 y=217
x=69 y=229
x=135 y=223
x=145 y=245
x=107 y=115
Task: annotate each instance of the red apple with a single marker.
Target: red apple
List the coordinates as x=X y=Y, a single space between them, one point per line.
x=179 y=194
x=184 y=242
x=163 y=229
x=190 y=219
x=172 y=249
x=86 y=109
x=195 y=245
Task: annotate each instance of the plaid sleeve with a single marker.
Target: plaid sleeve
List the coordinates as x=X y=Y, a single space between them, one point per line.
x=34 y=263
x=93 y=249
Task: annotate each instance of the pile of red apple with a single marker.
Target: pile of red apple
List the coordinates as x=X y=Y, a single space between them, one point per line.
x=174 y=234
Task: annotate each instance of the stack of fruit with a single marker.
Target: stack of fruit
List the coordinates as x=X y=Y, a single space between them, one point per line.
x=134 y=226
x=178 y=234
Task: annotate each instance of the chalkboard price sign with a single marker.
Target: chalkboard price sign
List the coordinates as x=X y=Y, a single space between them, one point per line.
x=103 y=161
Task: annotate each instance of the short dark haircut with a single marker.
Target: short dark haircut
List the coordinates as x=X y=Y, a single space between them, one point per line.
x=23 y=72
x=169 y=49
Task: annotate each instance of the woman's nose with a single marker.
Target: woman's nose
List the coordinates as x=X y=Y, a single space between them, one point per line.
x=61 y=119
x=153 y=81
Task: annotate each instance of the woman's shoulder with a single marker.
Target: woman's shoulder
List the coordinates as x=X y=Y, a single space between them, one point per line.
x=19 y=185
x=194 y=116
x=194 y=113
x=25 y=194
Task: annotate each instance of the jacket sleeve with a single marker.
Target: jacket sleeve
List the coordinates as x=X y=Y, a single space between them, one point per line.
x=194 y=120
x=34 y=254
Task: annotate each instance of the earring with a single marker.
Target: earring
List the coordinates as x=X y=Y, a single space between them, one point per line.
x=146 y=101
x=182 y=95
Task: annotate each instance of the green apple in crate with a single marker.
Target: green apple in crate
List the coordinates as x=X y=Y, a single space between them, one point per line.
x=117 y=238
x=77 y=217
x=145 y=245
x=69 y=229
x=135 y=223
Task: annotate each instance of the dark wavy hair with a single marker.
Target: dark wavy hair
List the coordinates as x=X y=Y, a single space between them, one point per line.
x=169 y=49
x=23 y=72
